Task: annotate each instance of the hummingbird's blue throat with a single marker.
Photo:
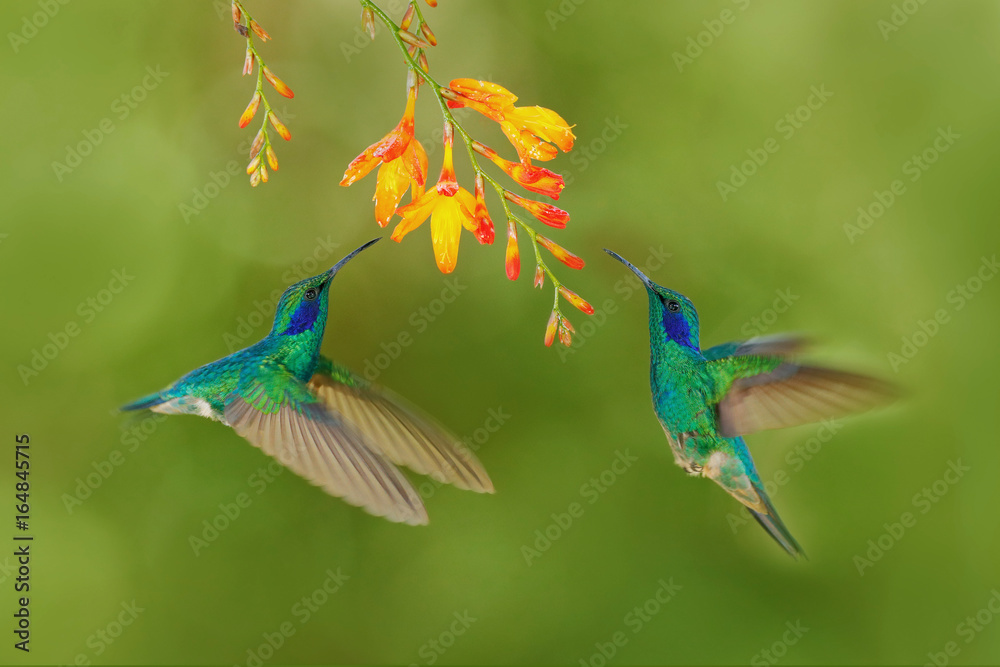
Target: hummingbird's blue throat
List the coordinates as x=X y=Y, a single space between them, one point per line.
x=677 y=329
x=304 y=318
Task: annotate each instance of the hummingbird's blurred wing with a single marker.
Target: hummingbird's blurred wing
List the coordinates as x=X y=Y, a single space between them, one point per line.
x=277 y=413
x=397 y=430
x=779 y=345
x=790 y=395
x=729 y=472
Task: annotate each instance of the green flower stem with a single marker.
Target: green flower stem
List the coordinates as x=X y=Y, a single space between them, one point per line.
x=260 y=82
x=436 y=88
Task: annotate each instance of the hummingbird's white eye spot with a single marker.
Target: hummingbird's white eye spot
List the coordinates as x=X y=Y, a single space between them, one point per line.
x=311 y=293
x=673 y=306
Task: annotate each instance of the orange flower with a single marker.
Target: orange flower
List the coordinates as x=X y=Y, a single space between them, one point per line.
x=486 y=97
x=536 y=179
x=528 y=128
x=403 y=164
x=388 y=148
x=395 y=177
x=450 y=208
x=531 y=130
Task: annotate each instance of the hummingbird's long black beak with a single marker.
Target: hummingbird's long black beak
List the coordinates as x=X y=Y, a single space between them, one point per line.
x=336 y=267
x=642 y=276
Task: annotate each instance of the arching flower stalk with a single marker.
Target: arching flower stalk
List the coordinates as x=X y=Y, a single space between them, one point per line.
x=535 y=133
x=262 y=153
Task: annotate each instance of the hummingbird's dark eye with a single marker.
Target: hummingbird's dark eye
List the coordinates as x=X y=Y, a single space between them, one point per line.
x=311 y=293
x=673 y=306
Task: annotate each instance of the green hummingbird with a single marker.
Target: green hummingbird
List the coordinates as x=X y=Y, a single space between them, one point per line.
x=328 y=425
x=706 y=400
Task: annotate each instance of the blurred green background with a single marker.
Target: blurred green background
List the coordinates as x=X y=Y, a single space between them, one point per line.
x=656 y=135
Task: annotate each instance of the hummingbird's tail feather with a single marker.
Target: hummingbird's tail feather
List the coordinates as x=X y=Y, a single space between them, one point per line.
x=769 y=520
x=145 y=402
x=736 y=474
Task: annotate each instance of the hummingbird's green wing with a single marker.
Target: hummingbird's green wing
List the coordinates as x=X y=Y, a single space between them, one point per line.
x=768 y=392
x=779 y=345
x=397 y=430
x=278 y=413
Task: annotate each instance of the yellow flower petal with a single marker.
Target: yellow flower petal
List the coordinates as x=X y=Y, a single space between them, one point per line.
x=468 y=204
x=392 y=183
x=544 y=123
x=446 y=230
x=414 y=214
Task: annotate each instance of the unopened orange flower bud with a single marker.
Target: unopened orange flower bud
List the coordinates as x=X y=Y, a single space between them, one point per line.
x=263 y=173
x=422 y=61
x=260 y=32
x=576 y=300
x=513 y=260
x=248 y=63
x=565 y=332
x=251 y=110
x=272 y=159
x=237 y=14
x=258 y=143
x=432 y=3
x=547 y=213
x=255 y=178
x=550 y=329
x=407 y=18
x=278 y=84
x=560 y=253
x=368 y=21
x=429 y=34
x=254 y=163
x=484 y=150
x=412 y=39
x=484 y=224
x=537 y=179
x=279 y=126
x=539 y=276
